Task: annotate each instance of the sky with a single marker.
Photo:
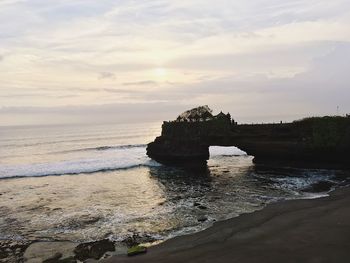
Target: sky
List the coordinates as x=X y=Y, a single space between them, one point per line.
x=84 y=61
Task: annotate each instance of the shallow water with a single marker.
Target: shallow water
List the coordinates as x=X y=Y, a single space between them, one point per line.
x=105 y=186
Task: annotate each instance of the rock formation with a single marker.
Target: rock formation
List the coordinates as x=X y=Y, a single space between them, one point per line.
x=186 y=141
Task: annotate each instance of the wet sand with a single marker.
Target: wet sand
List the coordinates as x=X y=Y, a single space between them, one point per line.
x=315 y=230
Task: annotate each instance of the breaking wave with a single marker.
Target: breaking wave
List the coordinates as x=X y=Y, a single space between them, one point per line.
x=118 y=157
x=106 y=148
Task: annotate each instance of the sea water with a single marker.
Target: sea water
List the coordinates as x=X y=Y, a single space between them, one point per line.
x=89 y=182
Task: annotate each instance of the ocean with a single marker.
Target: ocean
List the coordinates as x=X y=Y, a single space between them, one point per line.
x=90 y=182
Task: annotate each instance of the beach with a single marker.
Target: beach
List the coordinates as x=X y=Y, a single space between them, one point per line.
x=314 y=230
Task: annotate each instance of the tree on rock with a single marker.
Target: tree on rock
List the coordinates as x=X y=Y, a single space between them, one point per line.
x=203 y=113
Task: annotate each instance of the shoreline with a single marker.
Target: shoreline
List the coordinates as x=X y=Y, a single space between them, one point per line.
x=311 y=228
x=305 y=230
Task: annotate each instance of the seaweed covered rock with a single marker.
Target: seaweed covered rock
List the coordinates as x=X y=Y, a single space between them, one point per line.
x=136 y=250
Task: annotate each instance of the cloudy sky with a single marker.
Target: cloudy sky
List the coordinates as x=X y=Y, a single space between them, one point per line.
x=64 y=61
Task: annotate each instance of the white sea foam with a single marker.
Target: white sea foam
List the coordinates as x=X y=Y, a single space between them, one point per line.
x=225 y=151
x=111 y=159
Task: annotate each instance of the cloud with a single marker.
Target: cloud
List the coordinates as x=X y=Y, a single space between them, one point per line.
x=108 y=113
x=14 y=96
x=249 y=56
x=106 y=75
x=140 y=83
x=316 y=91
x=113 y=90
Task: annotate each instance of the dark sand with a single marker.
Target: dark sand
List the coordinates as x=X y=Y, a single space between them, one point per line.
x=292 y=231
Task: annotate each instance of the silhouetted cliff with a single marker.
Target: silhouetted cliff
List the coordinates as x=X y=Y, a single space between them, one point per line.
x=323 y=140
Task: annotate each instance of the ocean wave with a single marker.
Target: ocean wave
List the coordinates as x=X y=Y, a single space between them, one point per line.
x=105 y=148
x=115 y=160
x=98 y=148
x=296 y=180
x=70 y=140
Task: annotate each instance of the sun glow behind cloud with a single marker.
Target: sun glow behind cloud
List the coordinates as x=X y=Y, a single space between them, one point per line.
x=160 y=73
x=238 y=56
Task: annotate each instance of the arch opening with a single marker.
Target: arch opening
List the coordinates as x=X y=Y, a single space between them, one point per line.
x=225 y=151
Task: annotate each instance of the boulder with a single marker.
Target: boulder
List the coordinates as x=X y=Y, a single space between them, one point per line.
x=94 y=250
x=50 y=252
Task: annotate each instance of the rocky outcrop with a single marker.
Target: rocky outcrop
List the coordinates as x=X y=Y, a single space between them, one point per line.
x=187 y=143
x=182 y=152
x=323 y=140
